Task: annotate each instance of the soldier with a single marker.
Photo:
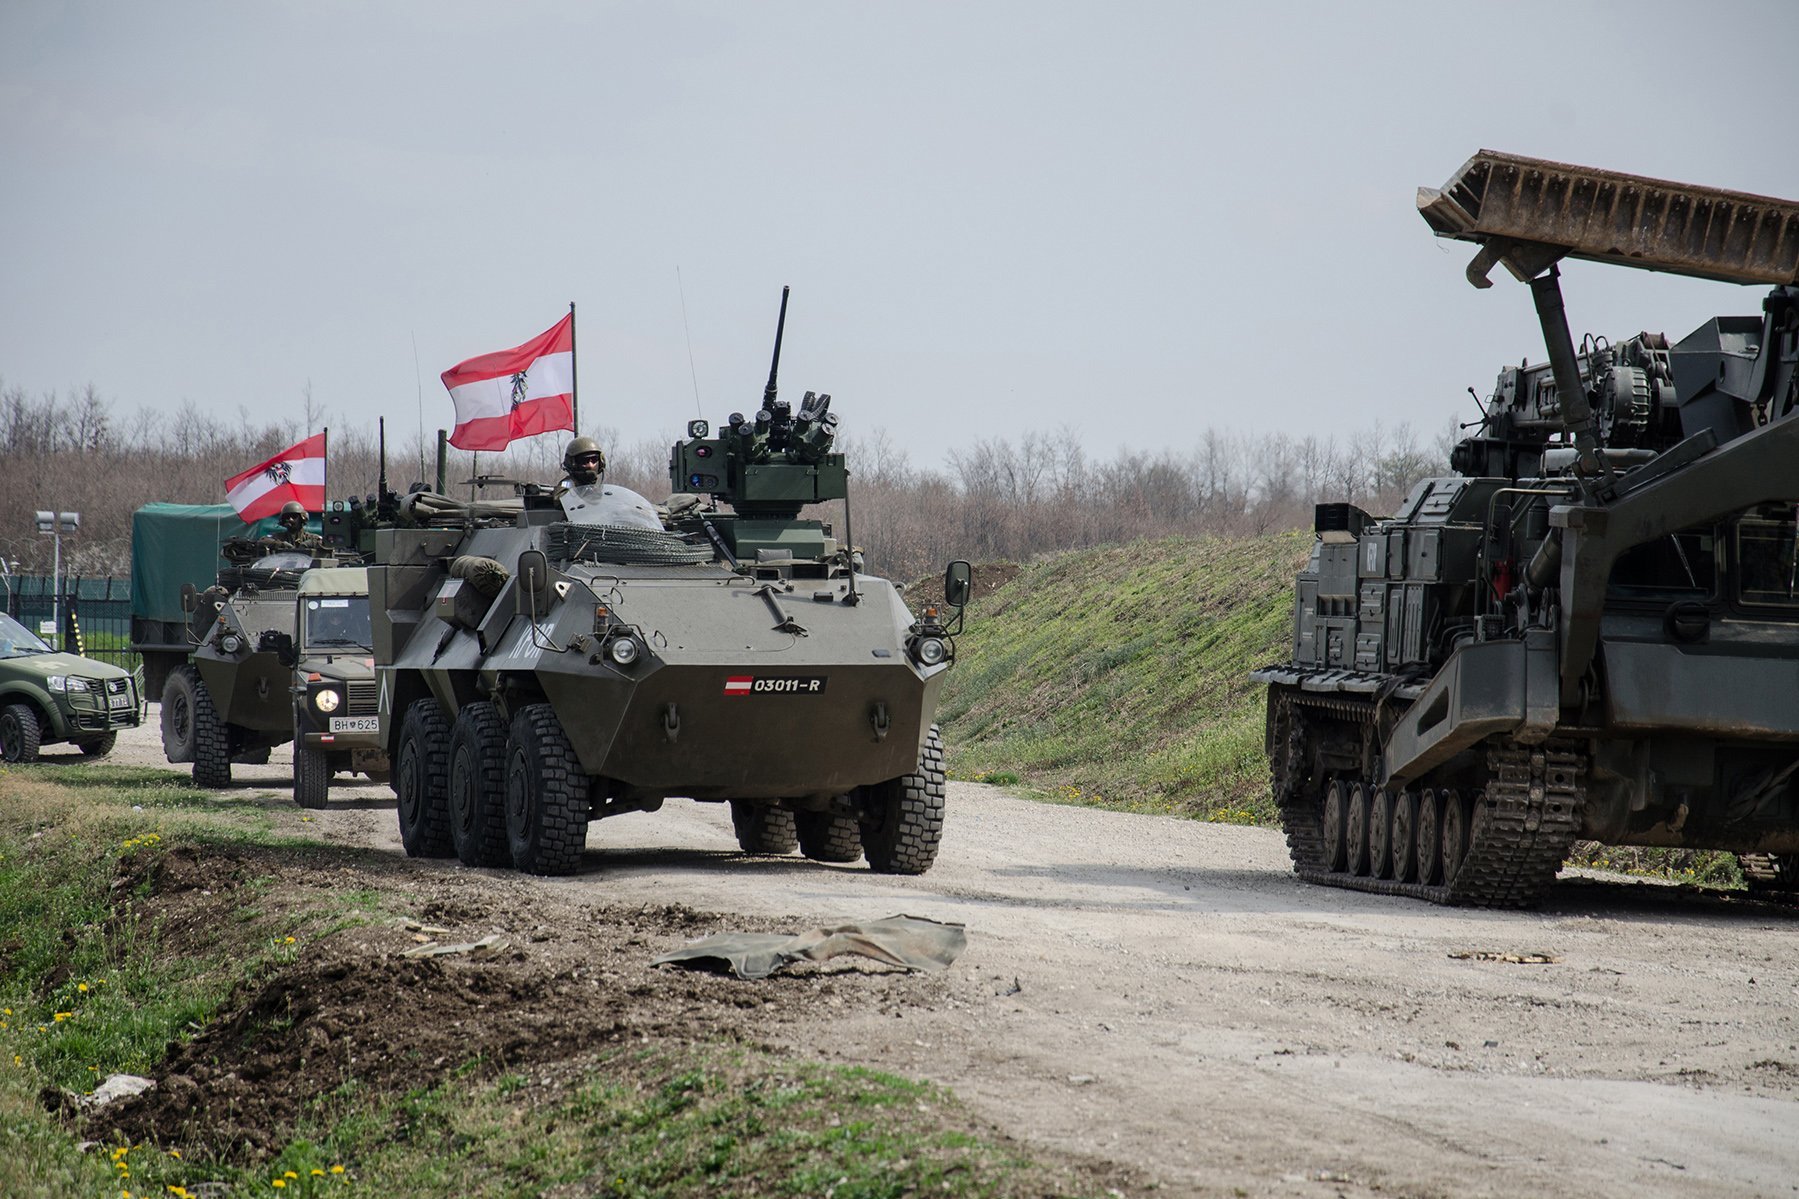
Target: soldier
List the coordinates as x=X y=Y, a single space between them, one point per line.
x=584 y=463
x=293 y=532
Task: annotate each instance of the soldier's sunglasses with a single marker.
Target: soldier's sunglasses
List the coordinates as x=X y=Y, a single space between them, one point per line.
x=587 y=458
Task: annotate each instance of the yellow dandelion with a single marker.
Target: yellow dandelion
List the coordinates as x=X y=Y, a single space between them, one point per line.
x=61 y=1016
x=82 y=987
x=175 y=1153
x=289 y=1174
x=6 y=1011
x=178 y=1192
x=17 y=1060
x=337 y=1169
x=287 y=940
x=2 y=1024
x=277 y=1182
x=317 y=1173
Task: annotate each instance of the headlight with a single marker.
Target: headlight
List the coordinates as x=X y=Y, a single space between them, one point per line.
x=624 y=650
x=231 y=643
x=77 y=684
x=56 y=682
x=930 y=651
x=326 y=700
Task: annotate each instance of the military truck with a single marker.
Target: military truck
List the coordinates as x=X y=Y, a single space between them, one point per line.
x=277 y=649
x=1591 y=629
x=555 y=659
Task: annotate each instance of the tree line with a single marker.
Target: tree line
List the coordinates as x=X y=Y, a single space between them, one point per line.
x=993 y=499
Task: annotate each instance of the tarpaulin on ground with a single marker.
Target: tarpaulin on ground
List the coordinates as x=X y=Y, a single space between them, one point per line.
x=910 y=941
x=172 y=544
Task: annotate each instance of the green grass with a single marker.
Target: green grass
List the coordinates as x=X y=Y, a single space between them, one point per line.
x=1118 y=676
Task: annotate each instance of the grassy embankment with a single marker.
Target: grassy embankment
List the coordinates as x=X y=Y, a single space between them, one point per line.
x=1117 y=676
x=88 y=988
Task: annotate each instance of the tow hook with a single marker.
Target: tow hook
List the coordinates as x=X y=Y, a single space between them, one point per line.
x=671 y=722
x=877 y=717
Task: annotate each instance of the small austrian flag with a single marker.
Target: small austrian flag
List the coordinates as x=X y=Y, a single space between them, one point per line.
x=738 y=685
x=515 y=393
x=296 y=473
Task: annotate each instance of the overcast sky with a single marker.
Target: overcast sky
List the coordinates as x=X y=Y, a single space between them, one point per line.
x=1135 y=219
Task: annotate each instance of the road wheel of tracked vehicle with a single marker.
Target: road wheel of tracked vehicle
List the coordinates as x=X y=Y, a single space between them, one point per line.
x=1770 y=873
x=828 y=836
x=1336 y=826
x=478 y=786
x=546 y=794
x=312 y=775
x=97 y=747
x=1430 y=838
x=21 y=732
x=762 y=827
x=902 y=819
x=1458 y=817
x=1380 y=834
x=1360 y=816
x=1404 y=850
x=421 y=781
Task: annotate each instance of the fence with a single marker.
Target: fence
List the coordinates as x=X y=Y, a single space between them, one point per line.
x=96 y=613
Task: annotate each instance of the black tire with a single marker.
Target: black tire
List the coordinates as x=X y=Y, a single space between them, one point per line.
x=212 y=740
x=1336 y=826
x=1380 y=834
x=478 y=787
x=21 y=732
x=1361 y=815
x=1458 y=820
x=902 y=819
x=312 y=775
x=546 y=794
x=97 y=747
x=178 y=714
x=763 y=827
x=828 y=836
x=1403 y=854
x=1430 y=837
x=421 y=781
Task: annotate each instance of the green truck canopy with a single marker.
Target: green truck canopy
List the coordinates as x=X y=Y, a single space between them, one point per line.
x=172 y=544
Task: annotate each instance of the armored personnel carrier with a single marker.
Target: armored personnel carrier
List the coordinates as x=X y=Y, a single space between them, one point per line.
x=1590 y=630
x=553 y=659
x=277 y=650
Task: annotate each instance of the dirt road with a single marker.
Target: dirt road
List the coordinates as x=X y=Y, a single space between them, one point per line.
x=1165 y=994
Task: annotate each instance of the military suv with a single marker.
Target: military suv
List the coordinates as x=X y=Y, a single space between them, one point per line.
x=48 y=697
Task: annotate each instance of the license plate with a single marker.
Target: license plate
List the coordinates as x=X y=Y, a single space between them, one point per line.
x=118 y=701
x=355 y=724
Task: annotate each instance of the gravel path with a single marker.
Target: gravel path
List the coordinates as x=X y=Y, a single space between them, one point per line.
x=1165 y=994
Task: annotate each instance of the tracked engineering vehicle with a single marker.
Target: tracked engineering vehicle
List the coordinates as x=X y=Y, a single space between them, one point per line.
x=555 y=659
x=1591 y=630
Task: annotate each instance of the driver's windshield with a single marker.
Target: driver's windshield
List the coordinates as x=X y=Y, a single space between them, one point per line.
x=17 y=641
x=335 y=622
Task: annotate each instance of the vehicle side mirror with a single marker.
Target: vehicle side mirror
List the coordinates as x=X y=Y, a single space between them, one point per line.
x=282 y=646
x=190 y=598
x=533 y=575
x=958 y=582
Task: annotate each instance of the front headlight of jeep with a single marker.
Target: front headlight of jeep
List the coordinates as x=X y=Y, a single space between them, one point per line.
x=326 y=699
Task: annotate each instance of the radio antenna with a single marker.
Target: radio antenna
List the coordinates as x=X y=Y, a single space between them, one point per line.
x=689 y=331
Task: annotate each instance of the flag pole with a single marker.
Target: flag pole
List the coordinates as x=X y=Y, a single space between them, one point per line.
x=326 y=472
x=574 y=374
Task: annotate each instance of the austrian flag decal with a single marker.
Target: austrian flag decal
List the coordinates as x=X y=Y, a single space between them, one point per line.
x=762 y=684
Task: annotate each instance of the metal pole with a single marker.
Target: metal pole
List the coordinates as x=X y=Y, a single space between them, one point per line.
x=55 y=584
x=574 y=375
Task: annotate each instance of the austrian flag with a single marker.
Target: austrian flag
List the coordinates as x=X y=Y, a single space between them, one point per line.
x=515 y=393
x=296 y=473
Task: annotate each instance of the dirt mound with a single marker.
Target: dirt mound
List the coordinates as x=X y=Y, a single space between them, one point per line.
x=350 y=1008
x=989 y=577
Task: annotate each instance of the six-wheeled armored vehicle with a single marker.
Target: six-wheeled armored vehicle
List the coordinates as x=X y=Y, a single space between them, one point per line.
x=1591 y=630
x=557 y=658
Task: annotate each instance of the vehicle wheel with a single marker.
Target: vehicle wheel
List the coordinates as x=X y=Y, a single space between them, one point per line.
x=1336 y=824
x=178 y=714
x=828 y=836
x=1458 y=816
x=21 y=732
x=1403 y=852
x=421 y=781
x=312 y=775
x=762 y=827
x=1380 y=834
x=97 y=747
x=211 y=739
x=1770 y=873
x=546 y=794
x=1361 y=815
x=1430 y=837
x=902 y=819
x=478 y=786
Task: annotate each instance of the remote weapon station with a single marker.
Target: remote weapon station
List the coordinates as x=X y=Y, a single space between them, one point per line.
x=558 y=658
x=1590 y=630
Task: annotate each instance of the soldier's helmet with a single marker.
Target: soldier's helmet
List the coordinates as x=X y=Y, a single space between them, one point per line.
x=293 y=516
x=583 y=460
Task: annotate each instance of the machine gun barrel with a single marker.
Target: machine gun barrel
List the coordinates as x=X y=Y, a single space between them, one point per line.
x=774 y=367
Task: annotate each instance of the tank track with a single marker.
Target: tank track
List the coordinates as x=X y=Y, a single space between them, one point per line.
x=1523 y=823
